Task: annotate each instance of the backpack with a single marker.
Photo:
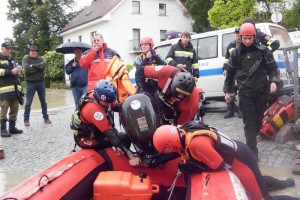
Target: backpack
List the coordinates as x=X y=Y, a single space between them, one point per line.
x=279 y=113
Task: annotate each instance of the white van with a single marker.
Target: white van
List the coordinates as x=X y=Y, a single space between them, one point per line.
x=211 y=49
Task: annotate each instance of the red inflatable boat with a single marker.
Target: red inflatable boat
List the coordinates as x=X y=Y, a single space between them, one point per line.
x=88 y=174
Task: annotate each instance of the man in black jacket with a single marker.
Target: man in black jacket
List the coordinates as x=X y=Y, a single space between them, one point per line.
x=183 y=55
x=251 y=64
x=9 y=86
x=34 y=67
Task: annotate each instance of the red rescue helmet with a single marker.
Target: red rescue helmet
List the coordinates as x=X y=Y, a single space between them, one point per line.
x=166 y=139
x=247 y=29
x=147 y=40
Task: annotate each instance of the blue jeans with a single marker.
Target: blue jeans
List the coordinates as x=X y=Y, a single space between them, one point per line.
x=41 y=90
x=78 y=92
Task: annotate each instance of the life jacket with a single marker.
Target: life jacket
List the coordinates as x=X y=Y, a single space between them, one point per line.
x=83 y=129
x=279 y=113
x=117 y=73
x=224 y=145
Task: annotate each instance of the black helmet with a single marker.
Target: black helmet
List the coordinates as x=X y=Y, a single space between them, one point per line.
x=105 y=91
x=182 y=85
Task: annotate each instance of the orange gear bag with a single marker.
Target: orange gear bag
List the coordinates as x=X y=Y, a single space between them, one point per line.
x=117 y=73
x=279 y=113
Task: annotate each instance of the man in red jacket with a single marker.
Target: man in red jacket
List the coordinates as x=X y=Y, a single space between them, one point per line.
x=96 y=60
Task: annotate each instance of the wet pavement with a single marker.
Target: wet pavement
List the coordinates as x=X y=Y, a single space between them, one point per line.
x=41 y=145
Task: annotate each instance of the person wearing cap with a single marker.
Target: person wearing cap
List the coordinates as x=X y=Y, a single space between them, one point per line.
x=272 y=43
x=230 y=47
x=183 y=55
x=10 y=88
x=34 y=67
x=253 y=67
x=79 y=76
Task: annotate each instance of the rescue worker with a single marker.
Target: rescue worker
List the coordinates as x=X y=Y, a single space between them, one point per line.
x=230 y=47
x=253 y=66
x=96 y=60
x=177 y=97
x=204 y=148
x=262 y=38
x=148 y=57
x=10 y=90
x=183 y=55
x=93 y=122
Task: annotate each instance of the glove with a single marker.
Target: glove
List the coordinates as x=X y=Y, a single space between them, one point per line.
x=189 y=168
x=162 y=159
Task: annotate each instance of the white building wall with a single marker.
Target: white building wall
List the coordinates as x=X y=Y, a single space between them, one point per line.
x=117 y=27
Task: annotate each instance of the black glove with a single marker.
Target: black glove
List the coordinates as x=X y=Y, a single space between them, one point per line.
x=189 y=168
x=162 y=159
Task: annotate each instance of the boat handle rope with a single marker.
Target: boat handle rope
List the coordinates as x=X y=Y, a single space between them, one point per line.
x=41 y=187
x=173 y=184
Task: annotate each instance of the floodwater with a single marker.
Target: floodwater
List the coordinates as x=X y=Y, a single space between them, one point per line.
x=63 y=98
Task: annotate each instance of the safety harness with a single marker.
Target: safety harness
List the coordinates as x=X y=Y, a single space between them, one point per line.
x=83 y=129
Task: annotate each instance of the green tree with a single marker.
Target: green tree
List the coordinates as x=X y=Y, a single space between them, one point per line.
x=198 y=10
x=38 y=21
x=291 y=18
x=230 y=13
x=55 y=70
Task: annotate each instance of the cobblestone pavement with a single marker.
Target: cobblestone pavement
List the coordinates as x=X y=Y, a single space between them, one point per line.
x=41 y=145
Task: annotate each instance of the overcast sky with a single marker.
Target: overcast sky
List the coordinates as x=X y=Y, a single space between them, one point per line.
x=6 y=30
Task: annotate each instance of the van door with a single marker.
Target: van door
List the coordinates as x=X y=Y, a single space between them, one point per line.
x=210 y=52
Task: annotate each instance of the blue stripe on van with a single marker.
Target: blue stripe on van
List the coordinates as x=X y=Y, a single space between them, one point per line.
x=219 y=71
x=211 y=72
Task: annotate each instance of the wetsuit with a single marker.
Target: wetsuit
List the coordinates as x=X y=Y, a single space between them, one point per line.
x=99 y=120
x=179 y=111
x=240 y=160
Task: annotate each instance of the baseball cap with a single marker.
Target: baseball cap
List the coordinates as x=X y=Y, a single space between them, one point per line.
x=33 y=48
x=6 y=45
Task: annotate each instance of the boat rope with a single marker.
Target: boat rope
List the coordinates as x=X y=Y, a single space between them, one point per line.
x=174 y=183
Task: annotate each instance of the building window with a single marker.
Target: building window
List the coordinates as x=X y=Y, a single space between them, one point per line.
x=80 y=38
x=163 y=35
x=136 y=7
x=162 y=9
x=136 y=39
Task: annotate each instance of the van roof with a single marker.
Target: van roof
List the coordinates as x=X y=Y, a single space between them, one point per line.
x=208 y=33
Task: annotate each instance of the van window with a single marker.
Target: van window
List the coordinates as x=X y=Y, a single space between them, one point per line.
x=207 y=47
x=163 y=51
x=227 y=38
x=281 y=35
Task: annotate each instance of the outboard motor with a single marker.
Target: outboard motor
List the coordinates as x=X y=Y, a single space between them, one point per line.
x=140 y=118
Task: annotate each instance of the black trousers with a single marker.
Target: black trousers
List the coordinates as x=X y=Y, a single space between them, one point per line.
x=253 y=106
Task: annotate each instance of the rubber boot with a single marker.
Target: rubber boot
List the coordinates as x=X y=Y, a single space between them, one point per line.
x=13 y=129
x=230 y=112
x=240 y=114
x=4 y=132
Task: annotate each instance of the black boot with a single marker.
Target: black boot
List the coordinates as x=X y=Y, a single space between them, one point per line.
x=230 y=112
x=4 y=132
x=13 y=129
x=240 y=114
